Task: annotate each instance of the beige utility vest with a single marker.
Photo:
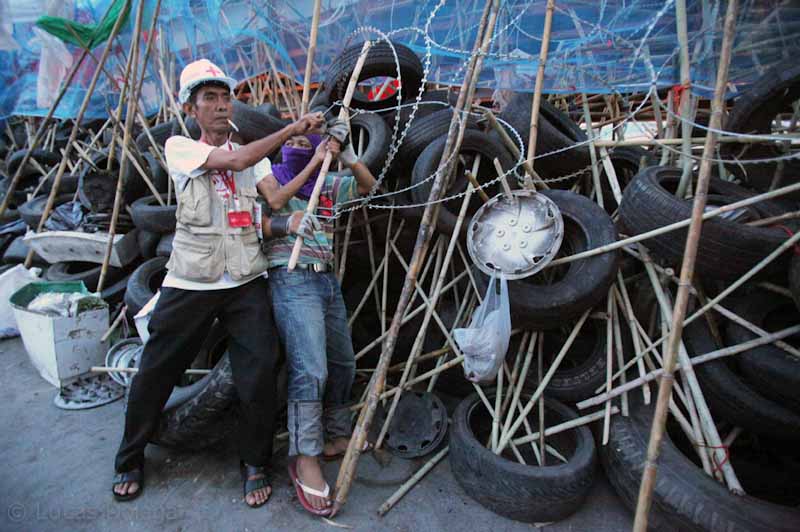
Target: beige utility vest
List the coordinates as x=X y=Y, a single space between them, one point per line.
x=205 y=245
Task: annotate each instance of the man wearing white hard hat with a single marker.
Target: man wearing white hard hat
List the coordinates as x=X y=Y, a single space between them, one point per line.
x=216 y=271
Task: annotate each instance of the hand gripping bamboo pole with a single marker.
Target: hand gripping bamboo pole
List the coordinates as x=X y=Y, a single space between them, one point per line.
x=76 y=128
x=687 y=270
x=326 y=164
x=452 y=144
x=312 y=48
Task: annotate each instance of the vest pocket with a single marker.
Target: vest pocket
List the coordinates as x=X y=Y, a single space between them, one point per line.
x=194 y=207
x=195 y=259
x=251 y=259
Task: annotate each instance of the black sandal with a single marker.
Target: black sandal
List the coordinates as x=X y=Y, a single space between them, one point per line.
x=251 y=485
x=136 y=475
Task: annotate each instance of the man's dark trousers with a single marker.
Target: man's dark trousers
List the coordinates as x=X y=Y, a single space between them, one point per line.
x=178 y=327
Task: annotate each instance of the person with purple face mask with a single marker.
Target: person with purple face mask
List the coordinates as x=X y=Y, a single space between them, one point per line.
x=309 y=309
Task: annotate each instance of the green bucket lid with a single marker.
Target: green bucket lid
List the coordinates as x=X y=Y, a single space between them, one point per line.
x=22 y=297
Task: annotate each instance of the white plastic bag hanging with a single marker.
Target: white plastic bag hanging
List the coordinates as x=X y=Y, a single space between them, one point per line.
x=485 y=342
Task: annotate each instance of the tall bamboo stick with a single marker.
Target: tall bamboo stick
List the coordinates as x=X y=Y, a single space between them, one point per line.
x=537 y=88
x=687 y=270
x=76 y=128
x=312 y=48
x=452 y=145
x=686 y=97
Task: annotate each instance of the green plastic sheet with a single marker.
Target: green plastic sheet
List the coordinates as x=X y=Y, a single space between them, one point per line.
x=85 y=35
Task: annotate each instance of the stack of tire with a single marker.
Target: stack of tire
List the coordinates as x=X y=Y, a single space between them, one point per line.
x=754 y=393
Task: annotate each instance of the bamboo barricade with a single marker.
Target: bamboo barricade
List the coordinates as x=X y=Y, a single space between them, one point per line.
x=452 y=144
x=326 y=164
x=687 y=270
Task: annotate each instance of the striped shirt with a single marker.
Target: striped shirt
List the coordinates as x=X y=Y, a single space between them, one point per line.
x=336 y=189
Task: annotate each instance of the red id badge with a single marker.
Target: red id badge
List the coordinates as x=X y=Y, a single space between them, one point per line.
x=240 y=218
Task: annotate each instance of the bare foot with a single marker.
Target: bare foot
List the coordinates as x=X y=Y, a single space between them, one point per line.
x=310 y=474
x=259 y=496
x=126 y=488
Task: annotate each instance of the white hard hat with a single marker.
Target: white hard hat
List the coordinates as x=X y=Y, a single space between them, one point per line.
x=198 y=72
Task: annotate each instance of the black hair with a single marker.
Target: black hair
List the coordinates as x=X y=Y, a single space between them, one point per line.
x=210 y=83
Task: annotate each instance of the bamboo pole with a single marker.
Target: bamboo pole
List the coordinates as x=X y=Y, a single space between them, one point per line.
x=537 y=88
x=130 y=118
x=687 y=270
x=567 y=425
x=326 y=163
x=452 y=145
x=587 y=116
x=75 y=129
x=532 y=339
x=124 y=90
x=686 y=98
x=540 y=374
x=609 y=364
x=618 y=345
x=413 y=481
x=283 y=91
x=312 y=48
x=512 y=147
x=622 y=294
x=110 y=369
x=648 y=141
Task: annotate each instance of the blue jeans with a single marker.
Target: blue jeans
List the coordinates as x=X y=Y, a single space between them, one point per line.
x=312 y=322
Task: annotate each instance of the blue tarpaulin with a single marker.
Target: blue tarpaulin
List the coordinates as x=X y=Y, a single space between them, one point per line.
x=597 y=46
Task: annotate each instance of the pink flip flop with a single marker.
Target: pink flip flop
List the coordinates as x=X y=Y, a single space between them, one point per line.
x=302 y=489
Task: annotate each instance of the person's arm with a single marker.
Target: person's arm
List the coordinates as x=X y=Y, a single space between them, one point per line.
x=278 y=195
x=279 y=226
x=250 y=154
x=364 y=178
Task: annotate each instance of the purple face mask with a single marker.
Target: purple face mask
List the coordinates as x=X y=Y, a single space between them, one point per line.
x=293 y=161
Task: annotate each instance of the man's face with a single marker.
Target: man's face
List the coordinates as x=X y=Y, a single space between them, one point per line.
x=212 y=108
